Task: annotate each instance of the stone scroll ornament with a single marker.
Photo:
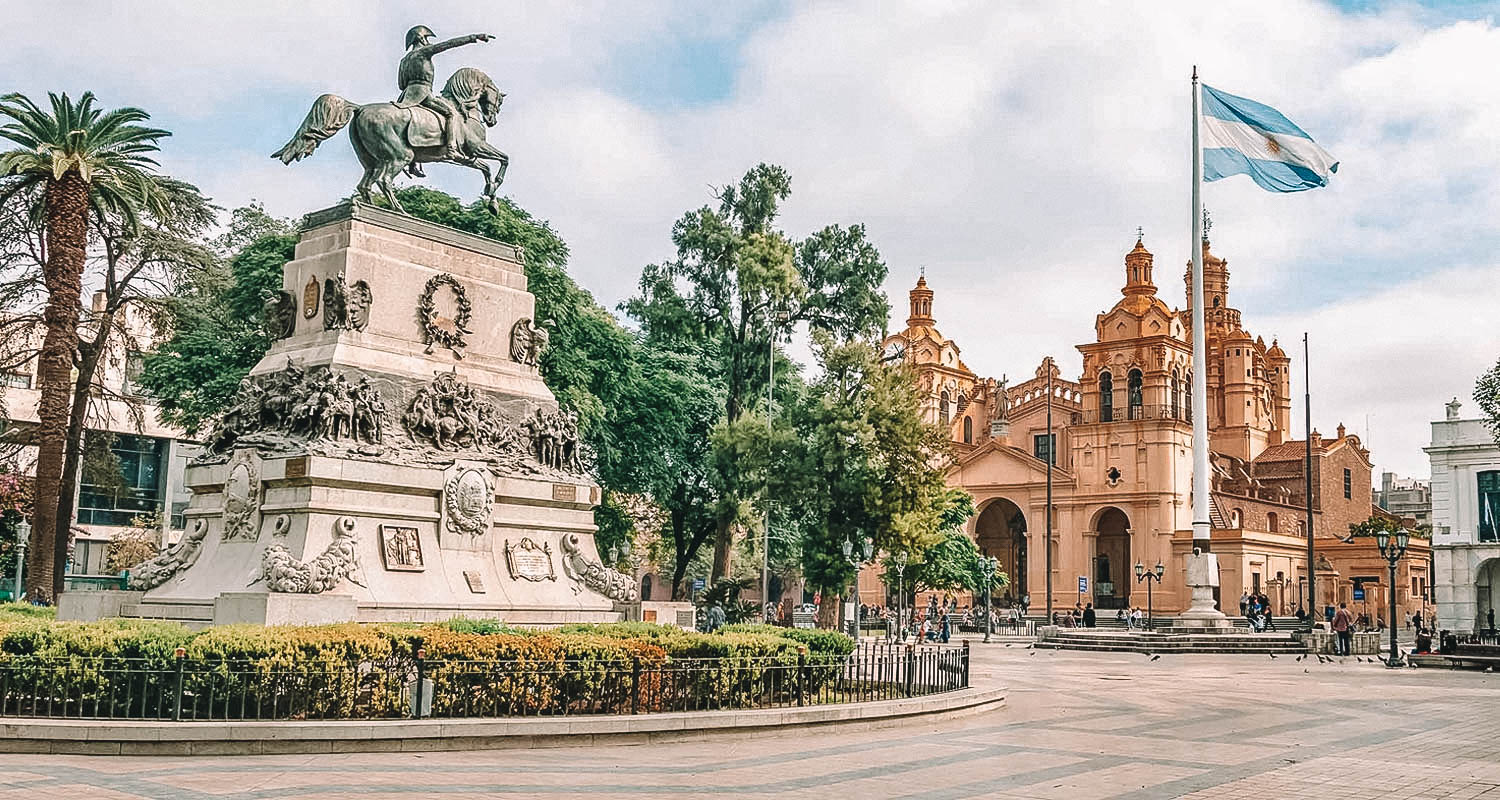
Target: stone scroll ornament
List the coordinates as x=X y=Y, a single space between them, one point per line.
x=438 y=329
x=324 y=572
x=346 y=307
x=156 y=570
x=280 y=314
x=311 y=404
x=527 y=341
x=580 y=568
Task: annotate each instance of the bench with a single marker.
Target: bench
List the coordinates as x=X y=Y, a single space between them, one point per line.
x=1476 y=654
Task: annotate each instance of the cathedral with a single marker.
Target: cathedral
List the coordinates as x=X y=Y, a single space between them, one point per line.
x=1118 y=440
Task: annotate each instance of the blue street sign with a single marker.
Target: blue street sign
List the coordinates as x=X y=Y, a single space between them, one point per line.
x=697 y=584
x=1083 y=584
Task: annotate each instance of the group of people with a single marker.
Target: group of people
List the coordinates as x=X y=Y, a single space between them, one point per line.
x=1256 y=609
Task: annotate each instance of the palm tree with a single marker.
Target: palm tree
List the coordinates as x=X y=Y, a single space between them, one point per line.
x=69 y=162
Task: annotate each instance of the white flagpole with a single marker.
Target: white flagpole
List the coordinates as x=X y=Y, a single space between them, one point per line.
x=1200 y=358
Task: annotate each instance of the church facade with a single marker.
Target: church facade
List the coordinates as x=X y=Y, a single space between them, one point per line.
x=1118 y=440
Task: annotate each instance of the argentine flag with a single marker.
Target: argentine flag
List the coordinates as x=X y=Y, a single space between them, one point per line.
x=1243 y=136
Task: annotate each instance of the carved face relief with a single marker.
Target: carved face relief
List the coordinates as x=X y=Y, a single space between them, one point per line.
x=468 y=499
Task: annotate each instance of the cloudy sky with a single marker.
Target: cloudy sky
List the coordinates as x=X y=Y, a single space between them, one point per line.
x=1010 y=148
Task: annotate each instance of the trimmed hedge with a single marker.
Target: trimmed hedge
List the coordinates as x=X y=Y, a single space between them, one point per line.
x=353 y=670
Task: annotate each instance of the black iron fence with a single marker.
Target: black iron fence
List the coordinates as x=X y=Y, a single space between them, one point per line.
x=188 y=689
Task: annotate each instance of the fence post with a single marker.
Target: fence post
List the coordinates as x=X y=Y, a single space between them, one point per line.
x=801 y=675
x=967 y=656
x=911 y=666
x=416 y=709
x=181 y=654
x=635 y=684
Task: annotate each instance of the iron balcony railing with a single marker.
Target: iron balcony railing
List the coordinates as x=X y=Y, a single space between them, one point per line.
x=1128 y=413
x=179 y=688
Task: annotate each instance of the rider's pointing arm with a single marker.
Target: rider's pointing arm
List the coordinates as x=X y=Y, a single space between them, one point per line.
x=433 y=49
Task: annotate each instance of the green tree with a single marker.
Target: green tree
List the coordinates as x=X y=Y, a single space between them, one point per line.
x=865 y=465
x=1487 y=395
x=217 y=335
x=738 y=285
x=69 y=162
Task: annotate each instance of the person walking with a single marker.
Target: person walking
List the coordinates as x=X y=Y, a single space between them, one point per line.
x=1343 y=625
x=1089 y=618
x=1244 y=603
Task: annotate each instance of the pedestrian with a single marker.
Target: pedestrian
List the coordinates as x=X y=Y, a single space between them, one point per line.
x=715 y=617
x=1090 y=618
x=1025 y=604
x=947 y=627
x=1244 y=603
x=1343 y=625
x=1491 y=618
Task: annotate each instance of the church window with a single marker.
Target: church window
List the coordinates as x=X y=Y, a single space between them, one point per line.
x=1216 y=302
x=1106 y=397
x=1489 y=506
x=1135 y=397
x=1271 y=522
x=968 y=430
x=1044 y=447
x=943 y=408
x=1187 y=396
x=1348 y=484
x=1234 y=518
x=1101 y=570
x=1176 y=394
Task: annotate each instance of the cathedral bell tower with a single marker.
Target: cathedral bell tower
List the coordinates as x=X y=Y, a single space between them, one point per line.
x=921 y=306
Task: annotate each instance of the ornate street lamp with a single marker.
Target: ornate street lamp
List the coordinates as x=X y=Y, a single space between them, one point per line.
x=987 y=568
x=857 y=560
x=899 y=561
x=23 y=538
x=1392 y=551
x=1149 y=577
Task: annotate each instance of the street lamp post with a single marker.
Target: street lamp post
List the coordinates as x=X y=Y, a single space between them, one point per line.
x=899 y=561
x=857 y=560
x=23 y=538
x=987 y=567
x=1154 y=576
x=1392 y=552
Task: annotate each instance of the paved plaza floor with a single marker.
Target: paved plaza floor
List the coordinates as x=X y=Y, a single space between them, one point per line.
x=1078 y=725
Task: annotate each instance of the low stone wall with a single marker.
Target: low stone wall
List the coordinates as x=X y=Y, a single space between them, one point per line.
x=1366 y=643
x=105 y=737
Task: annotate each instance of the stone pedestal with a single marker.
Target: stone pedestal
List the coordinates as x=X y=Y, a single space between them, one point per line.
x=77 y=606
x=395 y=456
x=1202 y=579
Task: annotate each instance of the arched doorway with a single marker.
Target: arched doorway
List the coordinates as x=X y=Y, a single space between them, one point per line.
x=1486 y=592
x=1000 y=531
x=1112 y=578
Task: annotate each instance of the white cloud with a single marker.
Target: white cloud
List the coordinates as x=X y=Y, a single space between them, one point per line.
x=1011 y=148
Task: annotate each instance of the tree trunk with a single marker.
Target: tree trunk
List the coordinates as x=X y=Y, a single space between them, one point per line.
x=67 y=496
x=67 y=236
x=723 y=549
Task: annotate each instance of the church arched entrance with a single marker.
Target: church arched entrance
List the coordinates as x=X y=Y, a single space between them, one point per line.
x=1112 y=578
x=1000 y=532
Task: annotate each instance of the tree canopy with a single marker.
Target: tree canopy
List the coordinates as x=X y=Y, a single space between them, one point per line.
x=737 y=287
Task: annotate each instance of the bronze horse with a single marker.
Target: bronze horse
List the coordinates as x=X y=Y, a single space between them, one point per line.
x=390 y=137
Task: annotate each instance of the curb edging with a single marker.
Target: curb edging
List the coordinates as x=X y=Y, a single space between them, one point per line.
x=153 y=737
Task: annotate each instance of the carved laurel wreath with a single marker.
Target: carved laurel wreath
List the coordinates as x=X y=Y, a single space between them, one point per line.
x=427 y=310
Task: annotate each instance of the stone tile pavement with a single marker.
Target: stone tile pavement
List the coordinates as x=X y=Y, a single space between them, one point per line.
x=1078 y=725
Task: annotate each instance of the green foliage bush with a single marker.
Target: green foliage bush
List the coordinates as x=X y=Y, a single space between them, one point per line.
x=122 y=667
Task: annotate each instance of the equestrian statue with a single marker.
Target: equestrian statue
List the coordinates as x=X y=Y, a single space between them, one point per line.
x=420 y=127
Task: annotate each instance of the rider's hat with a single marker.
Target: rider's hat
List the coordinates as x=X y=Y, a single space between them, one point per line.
x=418 y=35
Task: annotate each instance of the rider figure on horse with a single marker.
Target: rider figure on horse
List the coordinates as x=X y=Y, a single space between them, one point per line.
x=415 y=77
